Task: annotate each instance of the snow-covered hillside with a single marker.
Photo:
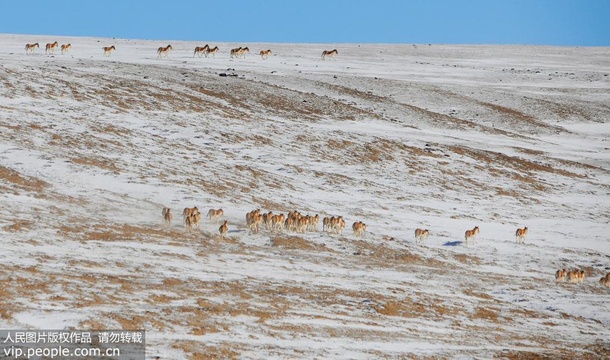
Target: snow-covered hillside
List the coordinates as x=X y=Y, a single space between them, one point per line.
x=442 y=137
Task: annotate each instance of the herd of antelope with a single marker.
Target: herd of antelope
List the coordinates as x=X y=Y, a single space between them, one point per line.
x=577 y=276
x=294 y=221
x=162 y=52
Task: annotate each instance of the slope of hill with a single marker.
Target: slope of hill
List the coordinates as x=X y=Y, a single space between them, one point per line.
x=433 y=136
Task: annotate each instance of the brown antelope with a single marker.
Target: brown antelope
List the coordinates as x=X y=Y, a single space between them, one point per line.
x=256 y=223
x=234 y=52
x=277 y=221
x=167 y=216
x=605 y=280
x=239 y=52
x=421 y=234
x=223 y=230
x=50 y=48
x=330 y=53
x=359 y=228
x=65 y=48
x=520 y=235
x=560 y=275
x=192 y=220
x=242 y=53
x=265 y=54
x=290 y=223
x=471 y=234
x=196 y=219
x=302 y=224
x=189 y=211
x=163 y=51
x=201 y=50
x=215 y=215
x=212 y=51
x=108 y=50
x=250 y=217
x=267 y=220
x=326 y=223
x=29 y=48
x=254 y=219
x=188 y=224
x=575 y=276
x=336 y=224
x=313 y=222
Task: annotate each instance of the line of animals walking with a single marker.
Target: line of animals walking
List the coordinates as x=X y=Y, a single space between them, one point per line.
x=294 y=221
x=163 y=51
x=576 y=276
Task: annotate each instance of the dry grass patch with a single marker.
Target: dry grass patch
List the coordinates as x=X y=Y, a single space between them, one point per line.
x=96 y=162
x=470 y=292
x=520 y=116
x=428 y=308
x=198 y=350
x=467 y=259
x=19 y=225
x=298 y=243
x=138 y=322
x=21 y=181
x=118 y=232
x=519 y=164
x=490 y=314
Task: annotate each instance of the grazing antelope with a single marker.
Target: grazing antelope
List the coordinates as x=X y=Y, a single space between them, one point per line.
x=50 y=48
x=108 y=50
x=223 y=230
x=265 y=54
x=605 y=280
x=359 y=228
x=215 y=215
x=421 y=234
x=520 y=235
x=471 y=234
x=560 y=275
x=330 y=53
x=212 y=51
x=163 y=51
x=29 y=48
x=65 y=48
x=201 y=50
x=167 y=216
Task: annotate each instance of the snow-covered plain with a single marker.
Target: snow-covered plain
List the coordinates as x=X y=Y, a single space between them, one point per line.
x=443 y=137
